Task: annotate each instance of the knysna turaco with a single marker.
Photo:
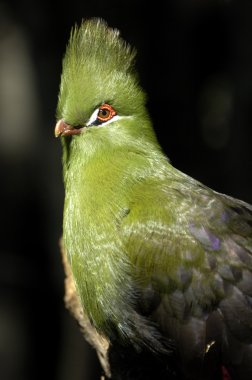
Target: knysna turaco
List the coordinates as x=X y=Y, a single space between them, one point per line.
x=162 y=264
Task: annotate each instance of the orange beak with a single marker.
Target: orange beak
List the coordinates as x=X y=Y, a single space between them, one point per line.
x=64 y=129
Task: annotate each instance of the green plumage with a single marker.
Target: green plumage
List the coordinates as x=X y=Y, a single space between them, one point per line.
x=161 y=263
x=99 y=66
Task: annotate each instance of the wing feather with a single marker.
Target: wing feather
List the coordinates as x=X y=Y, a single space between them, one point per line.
x=193 y=247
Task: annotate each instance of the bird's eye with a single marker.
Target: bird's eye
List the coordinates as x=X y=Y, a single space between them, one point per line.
x=105 y=112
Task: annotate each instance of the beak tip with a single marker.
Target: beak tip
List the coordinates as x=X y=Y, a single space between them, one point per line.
x=64 y=129
x=59 y=128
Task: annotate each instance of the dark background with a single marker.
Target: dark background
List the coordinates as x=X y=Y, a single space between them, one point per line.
x=195 y=62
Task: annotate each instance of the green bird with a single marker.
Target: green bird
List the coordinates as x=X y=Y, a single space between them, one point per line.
x=162 y=264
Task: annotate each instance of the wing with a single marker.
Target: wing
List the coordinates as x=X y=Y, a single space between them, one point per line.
x=191 y=254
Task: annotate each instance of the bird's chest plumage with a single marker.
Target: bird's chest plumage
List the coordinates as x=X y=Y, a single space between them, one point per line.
x=93 y=245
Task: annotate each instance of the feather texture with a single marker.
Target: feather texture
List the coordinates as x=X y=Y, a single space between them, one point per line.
x=162 y=264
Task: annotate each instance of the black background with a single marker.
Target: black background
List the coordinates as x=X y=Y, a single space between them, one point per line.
x=195 y=63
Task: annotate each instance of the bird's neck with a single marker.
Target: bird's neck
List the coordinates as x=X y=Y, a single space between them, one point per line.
x=97 y=190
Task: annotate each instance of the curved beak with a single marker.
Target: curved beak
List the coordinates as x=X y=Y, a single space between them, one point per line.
x=64 y=129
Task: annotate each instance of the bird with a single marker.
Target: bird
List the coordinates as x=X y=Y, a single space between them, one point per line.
x=162 y=264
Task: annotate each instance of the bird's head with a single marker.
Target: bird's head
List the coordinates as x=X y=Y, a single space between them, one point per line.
x=99 y=93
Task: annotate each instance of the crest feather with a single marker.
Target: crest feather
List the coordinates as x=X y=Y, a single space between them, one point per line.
x=94 y=41
x=98 y=67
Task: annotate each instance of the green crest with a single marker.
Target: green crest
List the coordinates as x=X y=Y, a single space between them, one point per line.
x=98 y=67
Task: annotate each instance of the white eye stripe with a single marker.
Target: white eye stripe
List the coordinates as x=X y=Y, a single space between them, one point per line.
x=94 y=117
x=114 y=118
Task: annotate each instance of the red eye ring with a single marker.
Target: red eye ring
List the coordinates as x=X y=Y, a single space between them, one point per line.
x=105 y=113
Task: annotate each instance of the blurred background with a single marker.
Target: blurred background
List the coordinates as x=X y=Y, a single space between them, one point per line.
x=195 y=63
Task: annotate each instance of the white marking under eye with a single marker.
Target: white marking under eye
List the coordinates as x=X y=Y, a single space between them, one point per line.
x=94 y=115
